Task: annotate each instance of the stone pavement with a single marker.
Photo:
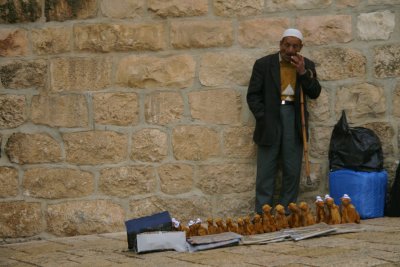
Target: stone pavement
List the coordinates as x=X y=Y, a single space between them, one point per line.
x=379 y=245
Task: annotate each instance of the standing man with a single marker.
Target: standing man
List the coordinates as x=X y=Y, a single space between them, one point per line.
x=274 y=99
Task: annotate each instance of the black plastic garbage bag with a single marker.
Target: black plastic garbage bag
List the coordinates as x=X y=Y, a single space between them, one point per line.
x=354 y=148
x=393 y=204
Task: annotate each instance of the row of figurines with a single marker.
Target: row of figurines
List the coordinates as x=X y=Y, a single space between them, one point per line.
x=299 y=215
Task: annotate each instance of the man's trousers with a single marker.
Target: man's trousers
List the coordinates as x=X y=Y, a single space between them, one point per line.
x=289 y=149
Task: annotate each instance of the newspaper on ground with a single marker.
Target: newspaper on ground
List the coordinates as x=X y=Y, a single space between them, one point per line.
x=301 y=233
x=348 y=228
x=220 y=244
x=265 y=238
x=197 y=243
x=206 y=239
x=305 y=232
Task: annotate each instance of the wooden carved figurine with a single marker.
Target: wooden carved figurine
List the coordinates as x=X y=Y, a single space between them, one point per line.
x=258 y=227
x=176 y=225
x=306 y=217
x=186 y=229
x=294 y=217
x=240 y=224
x=230 y=226
x=192 y=228
x=280 y=217
x=320 y=210
x=248 y=226
x=200 y=229
x=268 y=221
x=180 y=227
x=212 y=229
x=348 y=211
x=333 y=211
x=220 y=226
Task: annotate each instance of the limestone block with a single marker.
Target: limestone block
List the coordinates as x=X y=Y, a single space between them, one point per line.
x=163 y=107
x=254 y=33
x=320 y=138
x=396 y=102
x=60 y=110
x=347 y=3
x=95 y=147
x=57 y=183
x=201 y=34
x=272 y=6
x=234 y=205
x=240 y=8
x=12 y=111
x=386 y=133
x=122 y=9
x=178 y=8
x=84 y=218
x=119 y=37
x=361 y=101
x=386 y=61
x=120 y=109
x=226 y=178
x=376 y=25
x=183 y=209
x=225 y=68
x=176 y=178
x=127 y=181
x=339 y=63
x=65 y=10
x=8 y=181
x=319 y=30
x=51 y=40
x=13 y=42
x=319 y=109
x=143 y=207
x=80 y=74
x=25 y=148
x=195 y=143
x=155 y=72
x=238 y=142
x=16 y=11
x=219 y=106
x=383 y=2
x=20 y=219
x=23 y=74
x=149 y=145
x=398 y=136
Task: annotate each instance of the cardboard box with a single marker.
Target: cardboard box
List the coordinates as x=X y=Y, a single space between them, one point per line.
x=156 y=222
x=159 y=241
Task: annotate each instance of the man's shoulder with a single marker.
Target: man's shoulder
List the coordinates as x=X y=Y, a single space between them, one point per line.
x=268 y=58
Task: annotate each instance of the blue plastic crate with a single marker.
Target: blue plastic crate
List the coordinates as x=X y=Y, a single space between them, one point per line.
x=366 y=189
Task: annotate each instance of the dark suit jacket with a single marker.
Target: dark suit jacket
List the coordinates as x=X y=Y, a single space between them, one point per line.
x=264 y=97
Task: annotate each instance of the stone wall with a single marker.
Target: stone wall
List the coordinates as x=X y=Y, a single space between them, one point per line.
x=111 y=110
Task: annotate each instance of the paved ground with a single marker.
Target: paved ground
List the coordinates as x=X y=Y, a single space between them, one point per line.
x=379 y=245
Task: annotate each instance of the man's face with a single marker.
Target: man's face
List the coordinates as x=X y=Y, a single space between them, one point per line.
x=290 y=46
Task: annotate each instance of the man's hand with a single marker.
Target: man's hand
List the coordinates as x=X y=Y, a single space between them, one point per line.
x=298 y=61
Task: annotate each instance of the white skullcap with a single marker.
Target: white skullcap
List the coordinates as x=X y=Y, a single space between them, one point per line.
x=293 y=33
x=198 y=220
x=327 y=196
x=318 y=199
x=346 y=196
x=191 y=222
